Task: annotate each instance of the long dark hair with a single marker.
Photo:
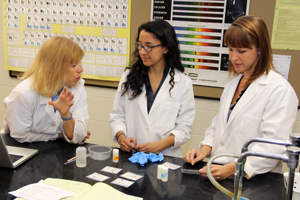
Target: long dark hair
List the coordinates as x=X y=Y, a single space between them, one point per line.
x=138 y=75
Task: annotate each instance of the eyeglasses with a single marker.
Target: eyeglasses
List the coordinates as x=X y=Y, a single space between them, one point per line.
x=146 y=47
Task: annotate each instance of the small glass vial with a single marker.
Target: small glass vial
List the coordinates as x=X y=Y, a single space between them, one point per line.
x=164 y=174
x=116 y=155
x=81 y=156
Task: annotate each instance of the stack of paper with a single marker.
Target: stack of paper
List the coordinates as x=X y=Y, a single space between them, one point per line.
x=55 y=189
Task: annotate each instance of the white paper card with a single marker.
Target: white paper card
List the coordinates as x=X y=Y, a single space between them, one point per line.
x=97 y=177
x=122 y=182
x=131 y=176
x=39 y=191
x=112 y=170
x=171 y=165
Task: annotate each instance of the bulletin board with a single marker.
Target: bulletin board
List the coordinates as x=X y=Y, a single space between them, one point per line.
x=141 y=12
x=266 y=10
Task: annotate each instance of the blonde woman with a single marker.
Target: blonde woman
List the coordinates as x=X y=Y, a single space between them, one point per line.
x=50 y=102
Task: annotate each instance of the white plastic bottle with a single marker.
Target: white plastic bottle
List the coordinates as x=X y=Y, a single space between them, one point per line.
x=159 y=167
x=164 y=174
x=81 y=156
x=116 y=155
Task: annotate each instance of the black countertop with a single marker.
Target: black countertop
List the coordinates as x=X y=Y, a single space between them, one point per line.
x=49 y=163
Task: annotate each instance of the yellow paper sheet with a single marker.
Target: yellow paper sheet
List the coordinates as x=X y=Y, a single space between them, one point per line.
x=286 y=29
x=84 y=191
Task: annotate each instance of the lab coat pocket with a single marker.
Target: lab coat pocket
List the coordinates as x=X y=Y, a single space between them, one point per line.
x=249 y=127
x=166 y=115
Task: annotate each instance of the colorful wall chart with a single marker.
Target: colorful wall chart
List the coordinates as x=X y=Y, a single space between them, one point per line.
x=200 y=26
x=100 y=27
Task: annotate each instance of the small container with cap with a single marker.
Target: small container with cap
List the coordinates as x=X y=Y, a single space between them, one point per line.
x=116 y=155
x=81 y=156
x=164 y=174
x=159 y=167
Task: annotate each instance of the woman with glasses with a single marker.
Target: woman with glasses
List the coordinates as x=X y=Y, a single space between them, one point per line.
x=154 y=106
x=258 y=102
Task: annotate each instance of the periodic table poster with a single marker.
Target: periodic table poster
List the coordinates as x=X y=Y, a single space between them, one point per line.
x=200 y=26
x=100 y=27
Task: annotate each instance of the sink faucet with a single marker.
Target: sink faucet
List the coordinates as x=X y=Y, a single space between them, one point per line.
x=291 y=157
x=294 y=141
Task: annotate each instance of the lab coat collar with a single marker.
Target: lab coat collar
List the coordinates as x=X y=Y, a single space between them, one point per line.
x=251 y=92
x=227 y=101
x=161 y=96
x=163 y=93
x=265 y=79
x=48 y=108
x=142 y=101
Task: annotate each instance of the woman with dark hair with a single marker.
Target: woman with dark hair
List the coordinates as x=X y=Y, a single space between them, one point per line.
x=154 y=107
x=258 y=102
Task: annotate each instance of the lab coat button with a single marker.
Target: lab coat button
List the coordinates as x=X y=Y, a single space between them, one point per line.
x=222 y=144
x=147 y=128
x=52 y=124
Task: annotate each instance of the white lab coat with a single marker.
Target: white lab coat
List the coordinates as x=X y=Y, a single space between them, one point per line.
x=168 y=115
x=29 y=117
x=267 y=109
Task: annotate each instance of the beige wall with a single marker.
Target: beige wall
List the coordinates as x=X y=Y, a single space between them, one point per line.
x=100 y=101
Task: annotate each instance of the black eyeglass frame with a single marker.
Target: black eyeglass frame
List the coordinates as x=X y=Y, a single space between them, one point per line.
x=139 y=46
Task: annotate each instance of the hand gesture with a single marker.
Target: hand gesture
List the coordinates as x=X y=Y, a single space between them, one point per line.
x=88 y=134
x=127 y=144
x=219 y=172
x=150 y=147
x=193 y=156
x=63 y=103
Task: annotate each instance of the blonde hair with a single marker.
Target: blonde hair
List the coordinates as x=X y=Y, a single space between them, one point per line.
x=246 y=32
x=50 y=68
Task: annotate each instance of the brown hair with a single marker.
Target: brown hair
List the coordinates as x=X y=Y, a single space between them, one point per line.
x=246 y=32
x=50 y=68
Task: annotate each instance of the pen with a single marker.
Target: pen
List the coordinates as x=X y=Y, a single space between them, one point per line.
x=70 y=161
x=74 y=158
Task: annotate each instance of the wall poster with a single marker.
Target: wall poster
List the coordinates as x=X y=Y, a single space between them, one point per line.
x=200 y=26
x=100 y=27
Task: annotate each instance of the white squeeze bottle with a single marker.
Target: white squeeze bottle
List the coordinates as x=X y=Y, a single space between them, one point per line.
x=116 y=155
x=164 y=174
x=81 y=156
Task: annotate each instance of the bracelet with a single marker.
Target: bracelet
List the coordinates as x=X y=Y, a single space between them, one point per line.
x=67 y=119
x=119 y=136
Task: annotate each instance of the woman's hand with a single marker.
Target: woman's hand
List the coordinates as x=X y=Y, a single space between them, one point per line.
x=126 y=144
x=156 y=147
x=150 y=147
x=60 y=136
x=63 y=103
x=193 y=156
x=88 y=134
x=219 y=172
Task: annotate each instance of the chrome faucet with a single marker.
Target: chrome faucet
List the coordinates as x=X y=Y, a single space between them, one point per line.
x=291 y=157
x=294 y=141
